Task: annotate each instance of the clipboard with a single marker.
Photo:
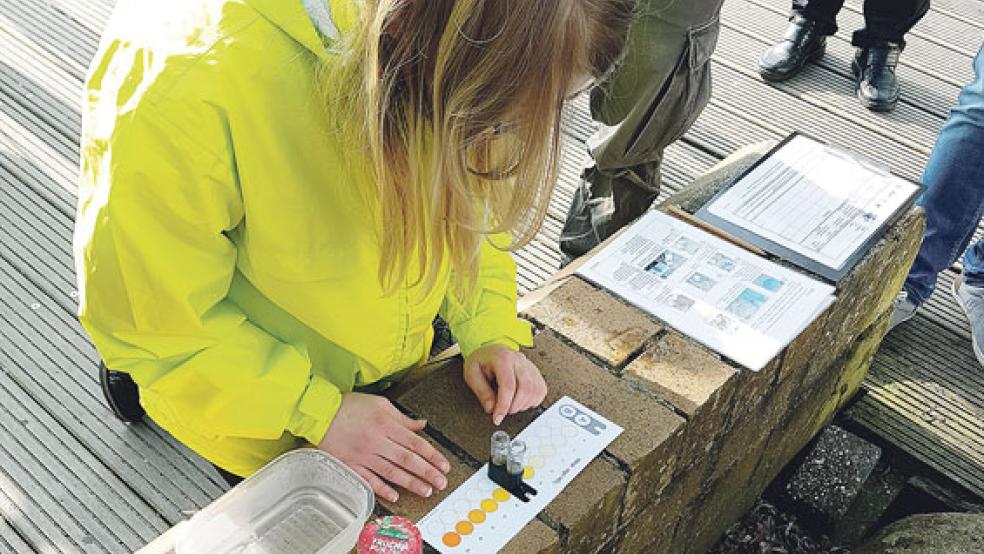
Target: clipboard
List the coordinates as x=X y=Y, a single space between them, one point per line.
x=817 y=267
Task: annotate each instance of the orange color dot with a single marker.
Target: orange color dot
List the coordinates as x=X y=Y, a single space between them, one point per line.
x=490 y=505
x=527 y=472
x=452 y=539
x=476 y=516
x=464 y=528
x=500 y=494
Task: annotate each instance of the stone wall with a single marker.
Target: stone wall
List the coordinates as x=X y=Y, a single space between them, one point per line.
x=702 y=437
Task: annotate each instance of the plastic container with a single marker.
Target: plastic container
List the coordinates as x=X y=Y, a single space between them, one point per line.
x=304 y=502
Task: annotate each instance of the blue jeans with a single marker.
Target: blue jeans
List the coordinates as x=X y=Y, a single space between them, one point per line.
x=954 y=196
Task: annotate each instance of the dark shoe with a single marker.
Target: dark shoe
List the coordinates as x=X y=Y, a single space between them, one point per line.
x=801 y=44
x=874 y=71
x=121 y=394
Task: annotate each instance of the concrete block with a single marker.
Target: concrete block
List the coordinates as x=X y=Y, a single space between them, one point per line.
x=831 y=476
x=595 y=320
x=644 y=447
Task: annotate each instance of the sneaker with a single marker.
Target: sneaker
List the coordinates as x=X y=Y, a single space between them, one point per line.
x=904 y=310
x=121 y=393
x=971 y=300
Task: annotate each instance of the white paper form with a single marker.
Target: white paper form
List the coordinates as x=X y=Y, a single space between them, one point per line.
x=814 y=200
x=741 y=305
x=480 y=517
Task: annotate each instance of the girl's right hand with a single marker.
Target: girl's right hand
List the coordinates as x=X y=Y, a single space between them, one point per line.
x=381 y=444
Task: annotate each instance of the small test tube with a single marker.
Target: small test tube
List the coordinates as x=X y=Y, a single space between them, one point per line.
x=500 y=447
x=517 y=457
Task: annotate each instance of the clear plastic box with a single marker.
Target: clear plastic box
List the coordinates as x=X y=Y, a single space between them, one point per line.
x=304 y=502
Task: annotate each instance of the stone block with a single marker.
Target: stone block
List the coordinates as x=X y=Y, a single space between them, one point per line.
x=595 y=320
x=645 y=447
x=831 y=477
x=450 y=408
x=535 y=537
x=684 y=373
x=589 y=508
x=654 y=528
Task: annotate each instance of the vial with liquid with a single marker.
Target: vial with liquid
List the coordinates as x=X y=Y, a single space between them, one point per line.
x=500 y=447
x=517 y=457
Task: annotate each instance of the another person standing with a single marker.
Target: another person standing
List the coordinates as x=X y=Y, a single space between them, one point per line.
x=954 y=204
x=655 y=94
x=878 y=44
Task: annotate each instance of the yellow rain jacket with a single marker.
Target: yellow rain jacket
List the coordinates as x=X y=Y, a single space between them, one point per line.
x=225 y=252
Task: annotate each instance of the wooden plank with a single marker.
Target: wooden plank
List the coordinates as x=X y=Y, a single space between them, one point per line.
x=900 y=431
x=10 y=539
x=957 y=34
x=53 y=360
x=968 y=11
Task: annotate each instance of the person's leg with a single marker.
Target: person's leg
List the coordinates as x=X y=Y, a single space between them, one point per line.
x=954 y=196
x=823 y=12
x=889 y=21
x=879 y=44
x=656 y=93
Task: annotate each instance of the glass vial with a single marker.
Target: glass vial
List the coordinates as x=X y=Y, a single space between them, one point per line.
x=500 y=447
x=517 y=457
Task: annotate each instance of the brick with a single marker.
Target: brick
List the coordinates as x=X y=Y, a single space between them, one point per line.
x=595 y=320
x=643 y=447
x=681 y=371
x=589 y=507
x=450 y=407
x=535 y=537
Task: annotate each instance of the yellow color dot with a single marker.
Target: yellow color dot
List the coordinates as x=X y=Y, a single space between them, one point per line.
x=476 y=516
x=452 y=539
x=464 y=528
x=490 y=505
x=527 y=472
x=500 y=494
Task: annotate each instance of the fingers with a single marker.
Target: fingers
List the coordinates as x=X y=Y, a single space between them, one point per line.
x=413 y=453
x=379 y=487
x=415 y=425
x=524 y=382
x=477 y=382
x=505 y=380
x=391 y=471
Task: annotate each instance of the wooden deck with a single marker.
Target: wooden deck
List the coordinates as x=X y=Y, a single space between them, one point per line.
x=73 y=479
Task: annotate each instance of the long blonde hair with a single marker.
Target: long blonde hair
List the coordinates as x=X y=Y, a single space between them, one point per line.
x=460 y=105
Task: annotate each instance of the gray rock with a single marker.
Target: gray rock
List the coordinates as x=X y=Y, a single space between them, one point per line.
x=945 y=533
x=832 y=475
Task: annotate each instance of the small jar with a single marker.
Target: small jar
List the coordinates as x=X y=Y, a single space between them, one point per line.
x=500 y=448
x=517 y=457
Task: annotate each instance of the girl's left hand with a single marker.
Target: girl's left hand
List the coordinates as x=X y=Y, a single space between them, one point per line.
x=504 y=381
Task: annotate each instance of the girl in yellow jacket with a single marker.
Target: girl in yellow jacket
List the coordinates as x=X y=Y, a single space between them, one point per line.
x=278 y=196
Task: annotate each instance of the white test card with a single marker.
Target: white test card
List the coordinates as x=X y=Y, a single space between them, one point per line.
x=481 y=517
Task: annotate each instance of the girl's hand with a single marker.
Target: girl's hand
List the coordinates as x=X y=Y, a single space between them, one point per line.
x=504 y=381
x=381 y=444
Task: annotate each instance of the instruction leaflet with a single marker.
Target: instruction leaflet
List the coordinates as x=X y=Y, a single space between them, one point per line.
x=480 y=517
x=818 y=204
x=743 y=306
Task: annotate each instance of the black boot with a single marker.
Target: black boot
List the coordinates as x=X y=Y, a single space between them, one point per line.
x=874 y=72
x=121 y=394
x=801 y=44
